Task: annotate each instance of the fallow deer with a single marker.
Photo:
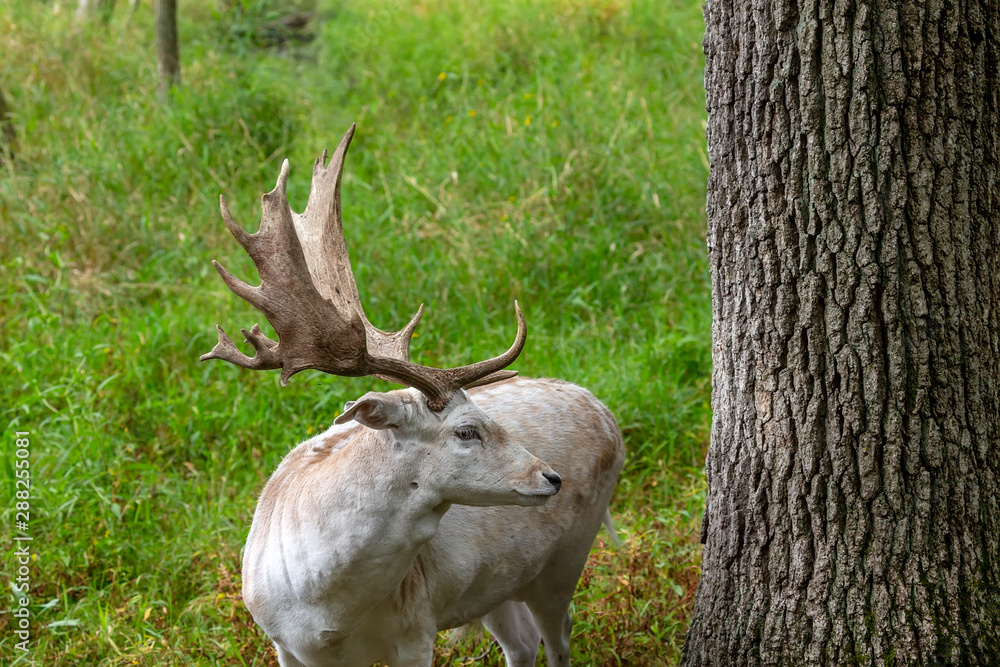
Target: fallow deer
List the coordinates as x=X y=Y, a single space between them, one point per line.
x=421 y=509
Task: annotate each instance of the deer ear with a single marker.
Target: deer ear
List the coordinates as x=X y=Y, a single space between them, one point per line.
x=376 y=411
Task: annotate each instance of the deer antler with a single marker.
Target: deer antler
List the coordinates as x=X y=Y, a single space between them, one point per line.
x=309 y=296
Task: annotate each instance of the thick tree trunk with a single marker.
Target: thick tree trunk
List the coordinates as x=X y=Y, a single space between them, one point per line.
x=853 y=512
x=168 y=60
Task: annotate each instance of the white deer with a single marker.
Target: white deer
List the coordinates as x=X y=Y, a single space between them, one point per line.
x=420 y=509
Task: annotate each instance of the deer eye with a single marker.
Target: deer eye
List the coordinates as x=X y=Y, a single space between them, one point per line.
x=466 y=433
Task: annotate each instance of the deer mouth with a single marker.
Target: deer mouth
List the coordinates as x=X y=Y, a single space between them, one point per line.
x=533 y=499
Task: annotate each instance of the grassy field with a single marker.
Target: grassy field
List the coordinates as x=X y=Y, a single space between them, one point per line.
x=551 y=152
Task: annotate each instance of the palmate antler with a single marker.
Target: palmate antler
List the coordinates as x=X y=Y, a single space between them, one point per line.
x=309 y=296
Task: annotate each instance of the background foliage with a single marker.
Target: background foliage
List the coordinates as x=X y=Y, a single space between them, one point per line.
x=551 y=152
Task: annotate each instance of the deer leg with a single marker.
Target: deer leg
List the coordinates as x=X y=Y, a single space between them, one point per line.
x=550 y=594
x=549 y=598
x=556 y=625
x=515 y=630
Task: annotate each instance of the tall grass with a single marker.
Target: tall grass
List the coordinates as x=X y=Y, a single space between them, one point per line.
x=551 y=152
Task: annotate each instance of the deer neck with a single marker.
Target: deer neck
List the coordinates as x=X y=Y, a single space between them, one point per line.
x=353 y=530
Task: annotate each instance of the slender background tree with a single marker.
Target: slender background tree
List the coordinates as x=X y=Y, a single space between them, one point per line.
x=8 y=136
x=854 y=229
x=168 y=59
x=102 y=8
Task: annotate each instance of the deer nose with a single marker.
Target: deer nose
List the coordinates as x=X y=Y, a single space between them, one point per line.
x=554 y=479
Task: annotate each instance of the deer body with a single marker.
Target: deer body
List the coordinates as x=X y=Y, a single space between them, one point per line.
x=422 y=509
x=348 y=564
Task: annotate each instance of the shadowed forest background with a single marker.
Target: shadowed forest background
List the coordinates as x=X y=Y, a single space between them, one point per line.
x=551 y=152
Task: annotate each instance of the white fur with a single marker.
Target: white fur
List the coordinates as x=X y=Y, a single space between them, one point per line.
x=368 y=541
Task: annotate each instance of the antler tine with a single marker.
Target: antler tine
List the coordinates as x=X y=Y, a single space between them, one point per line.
x=265 y=358
x=440 y=384
x=309 y=296
x=491 y=370
x=321 y=230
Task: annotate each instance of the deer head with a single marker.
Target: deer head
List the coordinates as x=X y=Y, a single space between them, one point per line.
x=309 y=296
x=459 y=454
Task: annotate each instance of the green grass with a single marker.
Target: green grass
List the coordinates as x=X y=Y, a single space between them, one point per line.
x=551 y=152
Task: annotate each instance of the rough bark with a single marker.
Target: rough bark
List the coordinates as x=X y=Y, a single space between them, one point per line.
x=168 y=60
x=854 y=230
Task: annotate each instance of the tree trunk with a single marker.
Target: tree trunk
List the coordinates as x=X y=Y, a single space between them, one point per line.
x=168 y=60
x=104 y=8
x=8 y=135
x=853 y=510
